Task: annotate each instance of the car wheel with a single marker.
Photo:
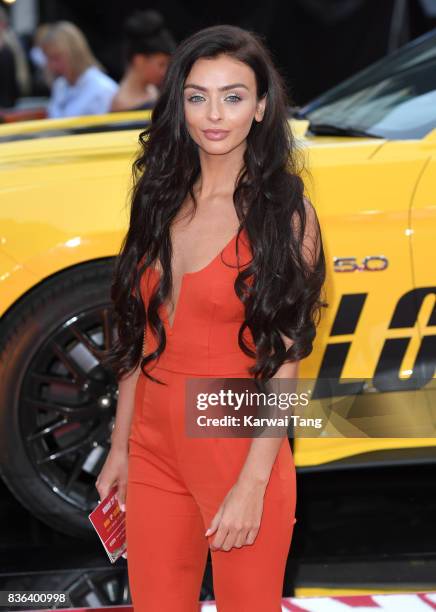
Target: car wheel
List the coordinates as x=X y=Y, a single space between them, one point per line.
x=57 y=400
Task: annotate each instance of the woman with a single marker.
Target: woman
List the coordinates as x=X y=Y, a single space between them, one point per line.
x=80 y=86
x=205 y=202
x=42 y=77
x=149 y=46
x=14 y=70
x=9 y=87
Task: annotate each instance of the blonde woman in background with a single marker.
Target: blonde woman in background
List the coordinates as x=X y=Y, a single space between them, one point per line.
x=80 y=86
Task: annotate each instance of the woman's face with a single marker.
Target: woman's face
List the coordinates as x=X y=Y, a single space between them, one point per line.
x=220 y=103
x=58 y=60
x=151 y=68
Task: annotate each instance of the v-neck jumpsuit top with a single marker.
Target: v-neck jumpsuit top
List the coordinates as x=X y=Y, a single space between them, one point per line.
x=176 y=483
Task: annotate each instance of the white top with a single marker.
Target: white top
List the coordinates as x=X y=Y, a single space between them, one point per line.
x=91 y=94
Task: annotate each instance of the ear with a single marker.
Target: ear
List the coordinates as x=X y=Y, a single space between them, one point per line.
x=260 y=110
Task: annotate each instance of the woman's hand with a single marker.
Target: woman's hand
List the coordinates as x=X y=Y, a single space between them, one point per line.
x=238 y=518
x=114 y=472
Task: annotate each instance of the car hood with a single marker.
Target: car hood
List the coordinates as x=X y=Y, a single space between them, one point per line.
x=57 y=141
x=46 y=128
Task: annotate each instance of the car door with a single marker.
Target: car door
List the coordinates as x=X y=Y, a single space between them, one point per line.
x=363 y=190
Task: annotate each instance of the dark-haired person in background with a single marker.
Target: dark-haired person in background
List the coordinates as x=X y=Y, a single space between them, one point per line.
x=148 y=48
x=8 y=82
x=14 y=69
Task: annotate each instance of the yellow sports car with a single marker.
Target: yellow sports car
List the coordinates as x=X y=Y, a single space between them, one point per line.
x=371 y=150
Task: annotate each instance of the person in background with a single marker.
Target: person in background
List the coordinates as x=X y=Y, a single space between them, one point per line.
x=80 y=86
x=148 y=49
x=14 y=70
x=8 y=81
x=42 y=77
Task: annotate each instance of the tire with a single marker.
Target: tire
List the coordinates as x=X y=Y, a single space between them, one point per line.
x=87 y=581
x=58 y=402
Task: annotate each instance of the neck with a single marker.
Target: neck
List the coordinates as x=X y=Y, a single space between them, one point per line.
x=75 y=75
x=219 y=172
x=72 y=78
x=134 y=81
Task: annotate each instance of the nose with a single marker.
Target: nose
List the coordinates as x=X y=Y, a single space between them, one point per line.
x=214 y=109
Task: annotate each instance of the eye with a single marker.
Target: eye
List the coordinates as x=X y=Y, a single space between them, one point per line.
x=192 y=98
x=235 y=99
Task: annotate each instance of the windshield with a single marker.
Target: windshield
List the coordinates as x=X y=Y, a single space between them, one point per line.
x=394 y=98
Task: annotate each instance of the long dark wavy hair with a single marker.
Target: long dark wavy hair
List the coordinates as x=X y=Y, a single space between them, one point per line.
x=270 y=203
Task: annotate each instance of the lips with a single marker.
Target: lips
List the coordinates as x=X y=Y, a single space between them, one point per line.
x=215 y=134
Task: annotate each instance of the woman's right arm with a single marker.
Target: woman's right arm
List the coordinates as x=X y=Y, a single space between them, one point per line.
x=124 y=412
x=114 y=471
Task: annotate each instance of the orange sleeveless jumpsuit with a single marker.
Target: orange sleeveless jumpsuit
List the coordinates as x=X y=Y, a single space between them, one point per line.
x=177 y=483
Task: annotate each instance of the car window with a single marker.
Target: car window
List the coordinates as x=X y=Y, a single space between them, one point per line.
x=393 y=98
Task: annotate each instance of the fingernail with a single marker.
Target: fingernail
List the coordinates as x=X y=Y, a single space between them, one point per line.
x=207 y=532
x=123 y=507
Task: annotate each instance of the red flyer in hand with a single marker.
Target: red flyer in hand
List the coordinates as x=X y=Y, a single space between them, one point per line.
x=109 y=521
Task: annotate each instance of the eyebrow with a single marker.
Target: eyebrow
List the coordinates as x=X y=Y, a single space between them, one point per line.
x=224 y=88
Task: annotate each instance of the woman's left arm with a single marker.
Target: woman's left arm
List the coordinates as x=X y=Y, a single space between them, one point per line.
x=263 y=451
x=238 y=519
